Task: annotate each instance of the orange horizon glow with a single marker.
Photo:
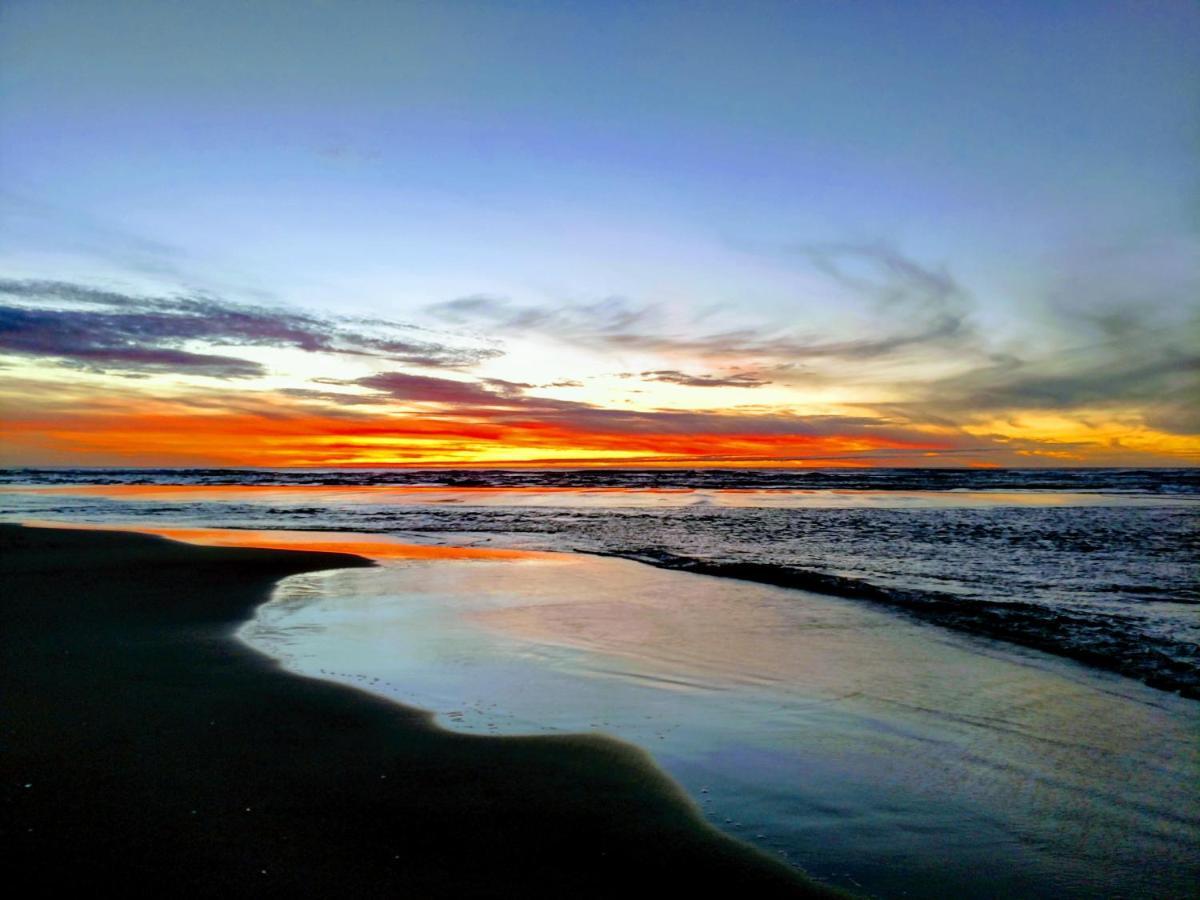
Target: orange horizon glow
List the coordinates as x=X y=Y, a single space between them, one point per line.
x=490 y=263
x=292 y=438
x=105 y=427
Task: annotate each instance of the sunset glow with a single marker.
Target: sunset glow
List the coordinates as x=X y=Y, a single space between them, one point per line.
x=813 y=252
x=735 y=447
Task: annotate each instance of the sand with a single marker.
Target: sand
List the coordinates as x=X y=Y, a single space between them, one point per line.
x=146 y=749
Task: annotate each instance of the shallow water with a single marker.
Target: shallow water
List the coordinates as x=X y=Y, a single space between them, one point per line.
x=1096 y=565
x=878 y=753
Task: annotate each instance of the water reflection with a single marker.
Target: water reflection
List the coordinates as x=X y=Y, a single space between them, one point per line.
x=876 y=751
x=597 y=497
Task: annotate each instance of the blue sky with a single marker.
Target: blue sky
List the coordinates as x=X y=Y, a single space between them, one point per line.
x=731 y=166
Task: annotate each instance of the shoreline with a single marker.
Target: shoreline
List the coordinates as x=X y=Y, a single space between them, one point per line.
x=1017 y=623
x=885 y=756
x=149 y=748
x=1124 y=613
x=1014 y=622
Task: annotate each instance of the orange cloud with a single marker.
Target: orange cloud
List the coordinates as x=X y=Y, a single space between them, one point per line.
x=91 y=424
x=103 y=428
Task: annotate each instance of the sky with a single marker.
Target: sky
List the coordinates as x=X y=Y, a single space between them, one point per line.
x=599 y=233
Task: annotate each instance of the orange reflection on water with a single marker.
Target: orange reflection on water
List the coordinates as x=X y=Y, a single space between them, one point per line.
x=370 y=546
x=596 y=497
x=219 y=491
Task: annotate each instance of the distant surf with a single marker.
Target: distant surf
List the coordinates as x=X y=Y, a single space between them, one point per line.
x=1148 y=481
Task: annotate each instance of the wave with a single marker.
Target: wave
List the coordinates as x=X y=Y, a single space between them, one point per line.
x=1181 y=481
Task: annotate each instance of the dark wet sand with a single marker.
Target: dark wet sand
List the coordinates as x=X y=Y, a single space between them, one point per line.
x=144 y=748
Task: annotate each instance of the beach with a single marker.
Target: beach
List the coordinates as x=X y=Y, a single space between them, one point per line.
x=600 y=450
x=879 y=753
x=324 y=712
x=147 y=749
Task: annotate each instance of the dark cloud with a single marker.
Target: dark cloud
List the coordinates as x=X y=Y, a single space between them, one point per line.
x=733 y=422
x=1162 y=385
x=505 y=403
x=82 y=341
x=1117 y=332
x=488 y=395
x=426 y=389
x=1118 y=327
x=111 y=331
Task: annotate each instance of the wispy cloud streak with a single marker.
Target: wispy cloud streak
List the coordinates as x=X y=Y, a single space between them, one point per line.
x=918 y=307
x=111 y=331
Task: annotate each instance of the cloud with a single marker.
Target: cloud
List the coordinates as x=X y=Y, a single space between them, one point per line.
x=607 y=316
x=1017 y=385
x=916 y=308
x=507 y=388
x=110 y=331
x=1163 y=385
x=290 y=427
x=877 y=270
x=674 y=376
x=427 y=389
x=505 y=404
x=83 y=342
x=334 y=398
x=1117 y=332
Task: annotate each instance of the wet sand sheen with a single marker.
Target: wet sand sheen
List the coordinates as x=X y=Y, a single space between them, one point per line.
x=878 y=751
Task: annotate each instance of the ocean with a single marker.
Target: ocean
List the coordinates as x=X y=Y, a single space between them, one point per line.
x=907 y=683
x=1097 y=565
